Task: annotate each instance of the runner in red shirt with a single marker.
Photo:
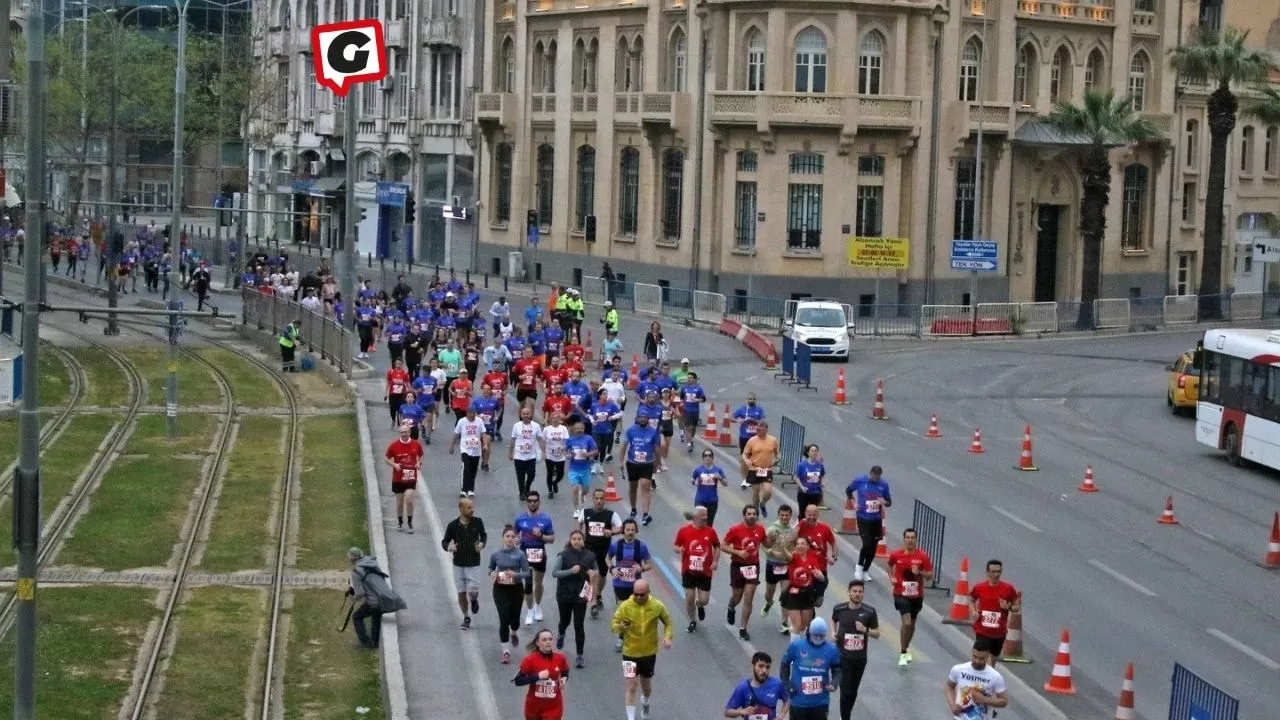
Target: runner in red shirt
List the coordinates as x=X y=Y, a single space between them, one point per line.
x=556 y=402
x=742 y=544
x=497 y=380
x=404 y=455
x=398 y=381
x=822 y=541
x=804 y=572
x=527 y=370
x=573 y=353
x=910 y=567
x=460 y=396
x=990 y=603
x=555 y=373
x=545 y=671
x=699 y=548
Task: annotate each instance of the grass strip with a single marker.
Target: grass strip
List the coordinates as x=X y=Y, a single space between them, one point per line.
x=107 y=385
x=318 y=390
x=55 y=380
x=60 y=467
x=209 y=668
x=89 y=638
x=196 y=386
x=195 y=435
x=251 y=386
x=331 y=513
x=327 y=675
x=240 y=536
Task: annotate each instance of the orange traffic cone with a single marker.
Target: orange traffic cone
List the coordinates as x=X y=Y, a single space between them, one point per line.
x=1025 y=463
x=1060 y=678
x=934 y=432
x=1167 y=517
x=1124 y=711
x=633 y=380
x=588 y=352
x=1272 y=560
x=849 y=519
x=877 y=410
x=959 y=614
x=726 y=431
x=976 y=447
x=611 y=490
x=840 y=397
x=882 y=547
x=711 y=433
x=1012 y=651
x=1087 y=485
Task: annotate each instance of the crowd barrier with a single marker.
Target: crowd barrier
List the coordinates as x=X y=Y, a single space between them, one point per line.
x=1194 y=698
x=790 y=450
x=319 y=334
x=931 y=530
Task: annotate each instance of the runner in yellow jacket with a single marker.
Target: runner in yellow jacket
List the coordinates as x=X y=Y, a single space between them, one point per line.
x=636 y=619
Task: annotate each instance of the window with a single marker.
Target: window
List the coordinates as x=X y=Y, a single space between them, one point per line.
x=549 y=69
x=507 y=83
x=1188 y=203
x=1024 y=76
x=584 y=66
x=313 y=13
x=804 y=217
x=155 y=196
x=285 y=20
x=586 y=186
x=369 y=100
x=339 y=11
x=870 y=63
x=970 y=68
x=399 y=9
x=370 y=8
x=282 y=88
x=1246 y=149
x=755 y=61
x=870 y=166
x=745 y=215
x=546 y=181
x=805 y=164
x=1211 y=15
x=1095 y=70
x=445 y=81
x=1138 y=81
x=672 y=192
x=870 y=211
x=1271 y=150
x=630 y=65
x=966 y=207
x=1184 y=275
x=401 y=89
x=1191 y=145
x=308 y=94
x=629 y=191
x=502 y=161
x=1133 y=209
x=368 y=166
x=1060 y=77
x=678 y=62
x=811 y=61
x=748 y=161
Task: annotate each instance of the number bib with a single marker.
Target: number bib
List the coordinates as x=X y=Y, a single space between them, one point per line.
x=707 y=479
x=524 y=446
x=666 y=414
x=534 y=555
x=697 y=563
x=749 y=572
x=691 y=398
x=602 y=417
x=640 y=456
x=579 y=454
x=762 y=472
x=811 y=685
x=990 y=619
x=628 y=669
x=627 y=574
x=545 y=689
x=758 y=716
x=471 y=443
x=397 y=388
x=486 y=418
x=587 y=593
x=506 y=577
x=910 y=589
x=408 y=475
x=595 y=529
x=854 y=642
x=873 y=506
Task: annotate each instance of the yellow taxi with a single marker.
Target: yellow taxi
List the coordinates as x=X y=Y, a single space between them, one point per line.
x=1184 y=384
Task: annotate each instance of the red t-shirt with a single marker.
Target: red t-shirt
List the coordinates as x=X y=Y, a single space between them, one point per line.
x=700 y=548
x=397 y=381
x=527 y=371
x=745 y=538
x=460 y=394
x=573 y=352
x=545 y=698
x=497 y=380
x=992 y=621
x=570 y=366
x=557 y=403
x=801 y=569
x=554 y=376
x=820 y=538
x=406 y=454
x=906 y=583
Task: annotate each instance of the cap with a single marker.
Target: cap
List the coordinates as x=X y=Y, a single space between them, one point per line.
x=684 y=361
x=818 y=627
x=608 y=303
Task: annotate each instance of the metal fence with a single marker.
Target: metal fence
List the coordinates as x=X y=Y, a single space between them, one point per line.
x=1194 y=698
x=931 y=529
x=790 y=449
x=319 y=334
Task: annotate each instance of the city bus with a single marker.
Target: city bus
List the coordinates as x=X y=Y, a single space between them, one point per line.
x=1239 y=406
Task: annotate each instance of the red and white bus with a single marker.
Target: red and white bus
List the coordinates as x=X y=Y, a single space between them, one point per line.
x=1239 y=407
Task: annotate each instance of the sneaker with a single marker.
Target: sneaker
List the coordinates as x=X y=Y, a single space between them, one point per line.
x=784 y=629
x=559 y=642
x=730 y=615
x=595 y=612
x=471 y=493
x=689 y=448
x=857 y=573
x=462 y=493
x=902 y=660
x=485 y=467
x=506 y=657
x=515 y=639
x=633 y=513
x=647 y=519
x=693 y=627
x=702 y=613
x=528 y=617
x=579 y=662
x=745 y=485
x=908 y=656
x=764 y=611
x=537 y=613
x=644 y=709
x=764 y=511
x=466 y=623
x=743 y=635
x=475 y=604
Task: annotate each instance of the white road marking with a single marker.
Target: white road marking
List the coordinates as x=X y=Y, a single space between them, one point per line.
x=722 y=391
x=1015 y=518
x=935 y=476
x=869 y=442
x=1116 y=574
x=835 y=414
x=752 y=378
x=908 y=431
x=1263 y=659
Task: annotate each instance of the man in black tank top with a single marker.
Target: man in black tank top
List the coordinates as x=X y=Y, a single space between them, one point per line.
x=598 y=524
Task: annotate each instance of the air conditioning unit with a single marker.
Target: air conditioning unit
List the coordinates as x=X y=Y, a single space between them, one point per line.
x=315 y=167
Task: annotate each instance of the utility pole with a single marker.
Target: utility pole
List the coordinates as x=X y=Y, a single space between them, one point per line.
x=179 y=127
x=979 y=175
x=109 y=247
x=171 y=385
x=6 y=95
x=345 y=263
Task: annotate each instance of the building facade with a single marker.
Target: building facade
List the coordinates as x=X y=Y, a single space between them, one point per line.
x=414 y=134
x=742 y=144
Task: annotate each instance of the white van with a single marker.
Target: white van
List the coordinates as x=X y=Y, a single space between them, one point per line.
x=826 y=326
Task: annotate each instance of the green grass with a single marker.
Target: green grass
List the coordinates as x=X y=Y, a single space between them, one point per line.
x=327 y=675
x=209 y=669
x=331 y=513
x=196 y=386
x=107 y=385
x=317 y=389
x=55 y=381
x=88 y=640
x=195 y=435
x=60 y=468
x=240 y=537
x=251 y=386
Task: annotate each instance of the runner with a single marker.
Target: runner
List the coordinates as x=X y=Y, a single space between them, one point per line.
x=822 y=540
x=975 y=689
x=404 y=455
x=780 y=542
x=536 y=532
x=604 y=414
x=852 y=623
x=469 y=433
x=526 y=373
x=742 y=543
x=599 y=523
x=464 y=539
x=692 y=396
x=698 y=546
x=629 y=559
x=527 y=443
x=803 y=575
x=413 y=415
x=545 y=671
x=747 y=416
x=759 y=697
x=497 y=379
x=811 y=672
x=487 y=407
x=810 y=473
x=556 y=402
x=760 y=454
x=575 y=574
x=636 y=620
x=870 y=494
x=990 y=602
x=707 y=480
x=397 y=385
x=582 y=452
x=554 y=437
x=459 y=395
x=910 y=568
x=639 y=447
x=509 y=569
x=666 y=425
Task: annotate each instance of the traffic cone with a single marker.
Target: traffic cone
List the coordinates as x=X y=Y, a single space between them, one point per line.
x=848 y=519
x=1060 y=678
x=611 y=490
x=882 y=547
x=633 y=380
x=1087 y=485
x=877 y=410
x=710 y=433
x=726 y=431
x=1012 y=651
x=1124 y=711
x=1025 y=463
x=976 y=447
x=934 y=432
x=1272 y=560
x=1167 y=517
x=959 y=614
x=588 y=352
x=840 y=397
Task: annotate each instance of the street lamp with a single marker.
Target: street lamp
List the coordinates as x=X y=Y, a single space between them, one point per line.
x=938 y=18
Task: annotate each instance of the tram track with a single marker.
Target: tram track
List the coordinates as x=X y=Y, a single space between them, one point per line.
x=52 y=430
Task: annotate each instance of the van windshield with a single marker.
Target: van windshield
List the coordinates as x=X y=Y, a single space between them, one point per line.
x=820 y=317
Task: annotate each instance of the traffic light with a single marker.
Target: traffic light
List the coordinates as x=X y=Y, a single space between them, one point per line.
x=364 y=213
x=589 y=224
x=410 y=210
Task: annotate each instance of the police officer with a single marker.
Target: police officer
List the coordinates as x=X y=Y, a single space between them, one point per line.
x=289 y=339
x=610 y=318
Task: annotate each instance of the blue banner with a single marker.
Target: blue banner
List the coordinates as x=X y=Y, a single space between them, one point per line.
x=391 y=194
x=303 y=186
x=804 y=364
x=788 y=358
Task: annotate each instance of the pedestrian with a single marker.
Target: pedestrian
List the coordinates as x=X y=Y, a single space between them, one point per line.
x=509 y=570
x=200 y=280
x=811 y=672
x=404 y=455
x=698 y=546
x=469 y=433
x=809 y=474
x=759 y=454
x=367 y=603
x=742 y=544
x=464 y=539
x=545 y=672
x=910 y=567
x=871 y=496
x=599 y=524
x=536 y=532
x=853 y=623
x=990 y=603
x=575 y=573
x=289 y=339
x=747 y=417
x=636 y=621
x=653 y=340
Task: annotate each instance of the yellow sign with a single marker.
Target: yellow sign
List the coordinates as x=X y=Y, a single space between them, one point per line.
x=26 y=589
x=879 y=253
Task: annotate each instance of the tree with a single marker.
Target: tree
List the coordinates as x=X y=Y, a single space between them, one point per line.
x=1105 y=121
x=1266 y=107
x=1223 y=61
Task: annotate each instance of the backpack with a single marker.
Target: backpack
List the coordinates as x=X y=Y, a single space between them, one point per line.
x=378 y=592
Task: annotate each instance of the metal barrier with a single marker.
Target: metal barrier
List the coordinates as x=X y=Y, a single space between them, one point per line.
x=594 y=290
x=1111 y=313
x=946 y=320
x=804 y=367
x=788 y=370
x=1037 y=317
x=887 y=320
x=931 y=529
x=996 y=319
x=790 y=449
x=1247 y=306
x=647 y=299
x=319 y=334
x=709 y=307
x=1194 y=698
x=677 y=303
x=1180 y=309
x=757 y=312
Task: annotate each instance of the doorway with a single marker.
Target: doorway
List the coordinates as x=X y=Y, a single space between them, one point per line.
x=1047 y=226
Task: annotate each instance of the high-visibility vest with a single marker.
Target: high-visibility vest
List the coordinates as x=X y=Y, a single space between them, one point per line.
x=289 y=336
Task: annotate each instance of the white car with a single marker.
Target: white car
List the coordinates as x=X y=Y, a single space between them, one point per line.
x=824 y=325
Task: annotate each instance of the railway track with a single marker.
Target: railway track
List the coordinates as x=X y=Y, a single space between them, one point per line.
x=51 y=430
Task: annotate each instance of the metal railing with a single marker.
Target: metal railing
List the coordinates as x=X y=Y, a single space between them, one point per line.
x=319 y=333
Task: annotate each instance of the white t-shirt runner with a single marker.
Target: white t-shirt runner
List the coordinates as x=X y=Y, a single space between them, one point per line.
x=524 y=439
x=469 y=432
x=555 y=436
x=969 y=682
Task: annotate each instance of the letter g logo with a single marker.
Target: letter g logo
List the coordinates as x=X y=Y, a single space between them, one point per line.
x=348 y=53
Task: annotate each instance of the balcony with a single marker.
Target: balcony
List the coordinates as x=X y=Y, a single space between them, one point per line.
x=276 y=40
x=1081 y=11
x=542 y=106
x=990 y=117
x=443 y=31
x=1144 y=23
x=585 y=104
x=980 y=8
x=667 y=109
x=814 y=110
x=558 y=6
x=887 y=111
x=496 y=109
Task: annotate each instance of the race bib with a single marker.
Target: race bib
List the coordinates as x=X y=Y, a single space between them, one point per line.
x=408 y=474
x=707 y=479
x=690 y=398
x=873 y=506
x=815 y=477
x=910 y=588
x=486 y=418
x=666 y=414
x=749 y=572
x=471 y=443
x=697 y=563
x=579 y=454
x=533 y=555
x=854 y=642
x=628 y=669
x=506 y=577
x=762 y=472
x=397 y=388
x=811 y=685
x=526 y=379
x=602 y=417
x=641 y=456
x=990 y=619
x=546 y=689
x=395 y=338
x=587 y=592
x=758 y=716
x=595 y=529
x=524 y=446
x=627 y=574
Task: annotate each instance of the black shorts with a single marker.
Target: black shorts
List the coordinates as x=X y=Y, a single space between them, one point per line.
x=667 y=428
x=774 y=574
x=691 y=419
x=819 y=590
x=739 y=579
x=742 y=444
x=798 y=599
x=602 y=562
x=644 y=665
x=636 y=471
x=754 y=479
x=401 y=488
x=438 y=394
x=992 y=645
x=908 y=606
x=871 y=530
x=695 y=581
x=621 y=594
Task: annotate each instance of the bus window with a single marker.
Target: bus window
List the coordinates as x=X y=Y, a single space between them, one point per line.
x=1209 y=377
x=1232 y=389
x=1197 y=357
x=1255 y=389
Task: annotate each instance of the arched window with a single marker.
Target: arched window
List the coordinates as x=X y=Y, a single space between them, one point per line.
x=507 y=81
x=677 y=63
x=811 y=61
x=286 y=15
x=672 y=192
x=1246 y=149
x=546 y=181
x=586 y=190
x=1270 y=150
x=1060 y=77
x=1095 y=70
x=970 y=68
x=630 y=65
x=368 y=166
x=629 y=191
x=1024 y=76
x=755 y=61
x=1134 y=208
x=539 y=66
x=1191 y=145
x=1138 y=81
x=313 y=13
x=584 y=65
x=339 y=10
x=870 y=63
x=549 y=69
x=502 y=169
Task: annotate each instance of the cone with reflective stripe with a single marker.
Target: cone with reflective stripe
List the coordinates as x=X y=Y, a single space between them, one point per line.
x=841 y=398
x=848 y=519
x=934 y=432
x=1012 y=651
x=1272 y=560
x=633 y=379
x=1025 y=463
x=1124 y=711
x=711 y=434
x=1060 y=678
x=1087 y=485
x=611 y=490
x=959 y=614
x=588 y=354
x=726 y=430
x=976 y=447
x=877 y=410
x=1167 y=517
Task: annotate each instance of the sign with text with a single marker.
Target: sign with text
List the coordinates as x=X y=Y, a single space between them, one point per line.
x=348 y=53
x=879 y=253
x=391 y=194
x=975 y=255
x=1268 y=250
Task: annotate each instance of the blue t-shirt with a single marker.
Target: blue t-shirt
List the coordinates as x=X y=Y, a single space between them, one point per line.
x=642 y=444
x=425 y=386
x=365 y=316
x=764 y=699
x=579 y=449
x=748 y=414
x=811 y=667
x=525 y=523
x=577 y=392
x=664 y=381
x=601 y=414
x=645 y=387
x=413 y=412
x=537 y=341
x=706 y=483
x=691 y=397
x=486 y=410
x=396 y=332
x=869 y=496
x=809 y=475
x=653 y=412
x=553 y=337
x=627 y=555
x=515 y=344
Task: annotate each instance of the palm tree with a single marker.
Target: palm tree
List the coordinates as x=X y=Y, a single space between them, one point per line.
x=1222 y=60
x=1102 y=121
x=1266 y=107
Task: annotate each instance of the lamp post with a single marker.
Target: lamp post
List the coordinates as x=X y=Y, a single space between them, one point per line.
x=938 y=18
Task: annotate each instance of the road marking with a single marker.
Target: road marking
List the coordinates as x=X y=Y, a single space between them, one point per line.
x=722 y=391
x=869 y=442
x=836 y=415
x=1122 y=578
x=1015 y=518
x=1266 y=661
x=935 y=476
x=752 y=378
x=908 y=431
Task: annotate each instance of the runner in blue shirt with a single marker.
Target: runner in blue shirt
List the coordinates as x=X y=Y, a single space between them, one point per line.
x=579 y=392
x=810 y=472
x=553 y=337
x=650 y=408
x=747 y=416
x=707 y=479
x=604 y=413
x=691 y=398
x=537 y=340
x=487 y=407
x=425 y=387
x=536 y=532
x=629 y=559
x=582 y=452
x=413 y=414
x=759 y=697
x=811 y=672
x=871 y=496
x=365 y=316
x=396 y=333
x=639 y=452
